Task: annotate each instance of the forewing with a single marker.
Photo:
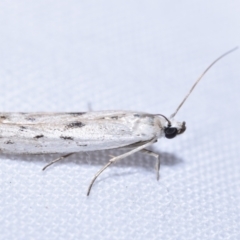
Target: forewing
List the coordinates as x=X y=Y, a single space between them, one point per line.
x=71 y=132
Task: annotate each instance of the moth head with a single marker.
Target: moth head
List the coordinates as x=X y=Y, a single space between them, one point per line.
x=174 y=128
x=172 y=131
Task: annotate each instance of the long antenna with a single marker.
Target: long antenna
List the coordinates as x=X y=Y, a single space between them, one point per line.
x=198 y=80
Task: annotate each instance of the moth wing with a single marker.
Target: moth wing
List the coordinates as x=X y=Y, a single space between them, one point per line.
x=72 y=132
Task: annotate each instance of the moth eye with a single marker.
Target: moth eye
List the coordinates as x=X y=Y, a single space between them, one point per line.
x=170 y=132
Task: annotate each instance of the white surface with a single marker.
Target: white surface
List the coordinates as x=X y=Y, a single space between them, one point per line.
x=130 y=55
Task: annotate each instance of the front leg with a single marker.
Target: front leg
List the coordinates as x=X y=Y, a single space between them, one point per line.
x=114 y=159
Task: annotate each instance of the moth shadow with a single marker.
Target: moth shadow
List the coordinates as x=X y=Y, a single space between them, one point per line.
x=100 y=158
x=138 y=159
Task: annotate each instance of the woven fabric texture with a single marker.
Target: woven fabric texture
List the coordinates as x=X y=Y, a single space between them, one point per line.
x=61 y=56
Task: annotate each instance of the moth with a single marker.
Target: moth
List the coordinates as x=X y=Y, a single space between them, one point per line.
x=69 y=133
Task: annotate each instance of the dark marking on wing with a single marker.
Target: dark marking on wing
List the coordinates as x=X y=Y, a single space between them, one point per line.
x=67 y=138
x=39 y=136
x=75 y=125
x=9 y=142
x=143 y=115
x=30 y=119
x=82 y=145
x=114 y=117
x=22 y=128
x=75 y=114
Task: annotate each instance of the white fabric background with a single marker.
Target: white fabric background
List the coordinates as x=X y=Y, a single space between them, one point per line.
x=127 y=55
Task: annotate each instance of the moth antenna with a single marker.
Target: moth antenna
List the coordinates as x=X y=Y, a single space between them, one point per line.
x=198 y=80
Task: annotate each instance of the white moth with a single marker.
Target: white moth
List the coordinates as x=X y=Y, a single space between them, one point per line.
x=69 y=133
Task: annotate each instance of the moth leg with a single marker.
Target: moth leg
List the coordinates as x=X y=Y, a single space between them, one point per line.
x=56 y=160
x=114 y=159
x=153 y=154
x=157 y=156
